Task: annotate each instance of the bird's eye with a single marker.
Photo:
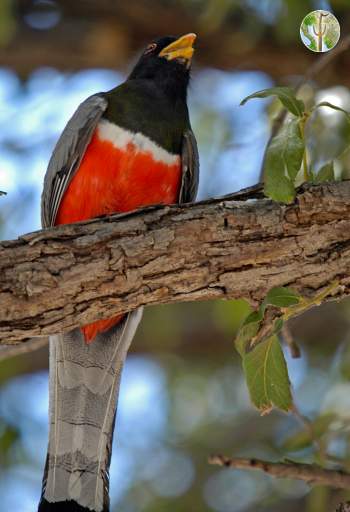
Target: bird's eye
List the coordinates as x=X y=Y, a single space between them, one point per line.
x=150 y=48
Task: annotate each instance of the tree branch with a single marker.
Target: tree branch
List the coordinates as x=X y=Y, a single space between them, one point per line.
x=232 y=247
x=310 y=473
x=343 y=507
x=110 y=32
x=290 y=342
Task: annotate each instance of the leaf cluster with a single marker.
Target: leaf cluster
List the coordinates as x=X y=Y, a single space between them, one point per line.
x=286 y=161
x=257 y=342
x=263 y=360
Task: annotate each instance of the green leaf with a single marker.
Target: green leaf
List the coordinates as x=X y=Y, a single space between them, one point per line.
x=255 y=316
x=294 y=148
x=277 y=327
x=303 y=439
x=248 y=330
x=326 y=173
x=279 y=188
x=282 y=297
x=282 y=163
x=286 y=95
x=334 y=107
x=267 y=377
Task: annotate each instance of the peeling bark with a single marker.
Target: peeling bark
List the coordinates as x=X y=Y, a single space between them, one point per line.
x=238 y=246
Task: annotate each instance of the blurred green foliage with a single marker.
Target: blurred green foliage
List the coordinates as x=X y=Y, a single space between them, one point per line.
x=8 y=437
x=303 y=439
x=7 y=22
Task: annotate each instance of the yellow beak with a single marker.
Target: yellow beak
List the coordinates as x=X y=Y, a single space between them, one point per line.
x=182 y=48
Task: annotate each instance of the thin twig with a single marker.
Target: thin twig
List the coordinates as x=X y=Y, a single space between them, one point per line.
x=290 y=342
x=321 y=64
x=307 y=424
x=310 y=473
x=324 y=60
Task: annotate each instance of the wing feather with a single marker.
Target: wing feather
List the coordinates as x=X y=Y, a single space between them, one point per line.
x=68 y=153
x=190 y=168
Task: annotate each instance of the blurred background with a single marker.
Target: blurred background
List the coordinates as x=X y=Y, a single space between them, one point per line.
x=183 y=396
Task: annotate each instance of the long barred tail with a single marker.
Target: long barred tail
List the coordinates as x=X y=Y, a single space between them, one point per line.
x=84 y=386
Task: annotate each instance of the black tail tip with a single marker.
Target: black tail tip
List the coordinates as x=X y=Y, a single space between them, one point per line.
x=63 y=506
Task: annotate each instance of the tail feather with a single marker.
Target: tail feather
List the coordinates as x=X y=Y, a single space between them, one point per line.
x=84 y=386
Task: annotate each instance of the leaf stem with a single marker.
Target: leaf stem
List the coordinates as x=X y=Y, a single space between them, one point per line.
x=305 y=162
x=307 y=303
x=319 y=446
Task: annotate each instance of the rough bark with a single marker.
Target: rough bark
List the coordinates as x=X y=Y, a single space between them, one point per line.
x=238 y=246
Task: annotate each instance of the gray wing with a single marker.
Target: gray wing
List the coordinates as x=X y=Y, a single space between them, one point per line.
x=190 y=168
x=68 y=154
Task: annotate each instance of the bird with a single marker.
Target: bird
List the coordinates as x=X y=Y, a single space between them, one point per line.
x=130 y=147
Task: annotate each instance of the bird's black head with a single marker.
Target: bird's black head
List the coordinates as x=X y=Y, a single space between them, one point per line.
x=167 y=62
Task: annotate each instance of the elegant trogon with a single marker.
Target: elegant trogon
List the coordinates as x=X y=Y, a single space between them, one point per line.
x=130 y=147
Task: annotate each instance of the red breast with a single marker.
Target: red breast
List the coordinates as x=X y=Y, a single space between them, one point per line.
x=120 y=171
